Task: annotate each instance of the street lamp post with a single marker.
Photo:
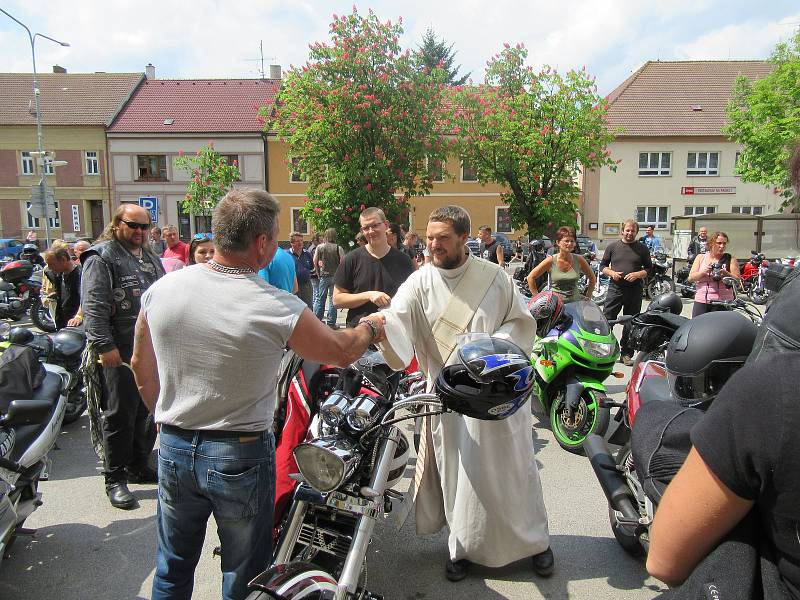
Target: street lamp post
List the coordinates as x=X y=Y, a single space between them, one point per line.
x=39 y=136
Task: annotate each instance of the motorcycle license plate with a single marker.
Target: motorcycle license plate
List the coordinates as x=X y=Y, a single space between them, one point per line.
x=352 y=504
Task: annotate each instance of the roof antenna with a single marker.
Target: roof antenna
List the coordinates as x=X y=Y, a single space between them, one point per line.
x=261 y=71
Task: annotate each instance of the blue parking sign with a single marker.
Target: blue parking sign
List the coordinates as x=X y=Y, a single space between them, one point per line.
x=150 y=203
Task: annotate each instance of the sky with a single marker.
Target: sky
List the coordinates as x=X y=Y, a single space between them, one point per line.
x=221 y=38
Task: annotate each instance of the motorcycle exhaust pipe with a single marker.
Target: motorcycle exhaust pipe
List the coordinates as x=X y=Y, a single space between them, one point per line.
x=611 y=480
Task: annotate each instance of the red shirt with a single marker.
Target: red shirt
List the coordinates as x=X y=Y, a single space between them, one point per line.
x=179 y=251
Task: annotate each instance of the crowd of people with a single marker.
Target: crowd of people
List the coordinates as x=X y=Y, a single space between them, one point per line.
x=179 y=360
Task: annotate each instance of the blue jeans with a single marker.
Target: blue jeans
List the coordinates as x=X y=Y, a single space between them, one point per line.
x=233 y=478
x=323 y=296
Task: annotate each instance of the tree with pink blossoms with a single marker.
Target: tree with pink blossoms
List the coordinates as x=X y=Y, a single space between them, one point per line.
x=361 y=123
x=532 y=132
x=211 y=176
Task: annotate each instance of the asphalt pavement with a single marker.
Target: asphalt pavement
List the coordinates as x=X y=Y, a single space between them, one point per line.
x=84 y=548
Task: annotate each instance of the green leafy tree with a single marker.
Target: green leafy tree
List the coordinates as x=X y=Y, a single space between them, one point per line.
x=436 y=54
x=532 y=132
x=764 y=116
x=361 y=123
x=211 y=178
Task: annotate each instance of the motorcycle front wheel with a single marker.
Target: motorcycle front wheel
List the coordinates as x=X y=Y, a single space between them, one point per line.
x=589 y=417
x=41 y=317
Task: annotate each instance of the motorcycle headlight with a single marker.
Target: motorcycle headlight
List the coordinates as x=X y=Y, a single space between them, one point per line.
x=363 y=413
x=598 y=349
x=326 y=462
x=333 y=409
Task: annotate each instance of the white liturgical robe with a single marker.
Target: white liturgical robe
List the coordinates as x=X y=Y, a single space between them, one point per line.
x=484 y=483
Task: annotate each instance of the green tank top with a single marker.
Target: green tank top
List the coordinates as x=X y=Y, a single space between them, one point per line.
x=564 y=284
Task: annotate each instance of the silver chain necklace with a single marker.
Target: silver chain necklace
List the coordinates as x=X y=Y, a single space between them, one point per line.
x=215 y=266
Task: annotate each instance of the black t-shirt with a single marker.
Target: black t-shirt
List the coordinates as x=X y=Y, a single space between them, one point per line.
x=362 y=272
x=490 y=251
x=749 y=439
x=626 y=258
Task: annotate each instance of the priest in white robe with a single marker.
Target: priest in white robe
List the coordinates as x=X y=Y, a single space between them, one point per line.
x=481 y=479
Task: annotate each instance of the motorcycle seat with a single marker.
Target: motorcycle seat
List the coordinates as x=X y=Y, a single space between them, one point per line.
x=50 y=390
x=654 y=389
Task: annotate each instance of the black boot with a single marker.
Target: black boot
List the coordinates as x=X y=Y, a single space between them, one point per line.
x=119 y=495
x=543 y=563
x=456 y=570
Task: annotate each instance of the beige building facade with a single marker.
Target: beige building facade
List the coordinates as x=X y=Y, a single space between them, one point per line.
x=673 y=159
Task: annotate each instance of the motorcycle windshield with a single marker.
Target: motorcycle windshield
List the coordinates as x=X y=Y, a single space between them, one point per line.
x=588 y=316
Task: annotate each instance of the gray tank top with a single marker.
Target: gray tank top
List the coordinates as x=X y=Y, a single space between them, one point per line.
x=564 y=284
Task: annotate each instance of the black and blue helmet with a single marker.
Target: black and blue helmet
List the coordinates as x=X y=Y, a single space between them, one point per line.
x=491 y=381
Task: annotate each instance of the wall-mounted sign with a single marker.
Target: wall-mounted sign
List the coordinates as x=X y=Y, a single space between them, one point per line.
x=592 y=225
x=150 y=204
x=694 y=190
x=76 y=218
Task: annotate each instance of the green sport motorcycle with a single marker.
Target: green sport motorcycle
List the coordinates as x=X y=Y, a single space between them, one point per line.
x=571 y=362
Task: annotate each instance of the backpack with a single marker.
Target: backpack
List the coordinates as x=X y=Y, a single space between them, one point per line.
x=20 y=374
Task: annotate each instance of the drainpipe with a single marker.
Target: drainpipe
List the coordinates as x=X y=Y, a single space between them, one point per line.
x=266 y=161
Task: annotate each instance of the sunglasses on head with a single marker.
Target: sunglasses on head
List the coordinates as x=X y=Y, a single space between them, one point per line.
x=203 y=236
x=135 y=225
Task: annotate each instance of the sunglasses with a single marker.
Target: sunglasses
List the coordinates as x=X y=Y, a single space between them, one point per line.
x=135 y=225
x=203 y=236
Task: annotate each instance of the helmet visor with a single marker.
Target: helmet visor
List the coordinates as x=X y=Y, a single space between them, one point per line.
x=699 y=387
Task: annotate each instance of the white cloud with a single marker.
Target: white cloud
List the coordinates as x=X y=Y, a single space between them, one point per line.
x=749 y=40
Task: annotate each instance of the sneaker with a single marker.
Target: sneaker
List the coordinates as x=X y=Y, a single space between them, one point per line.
x=626 y=360
x=456 y=571
x=543 y=563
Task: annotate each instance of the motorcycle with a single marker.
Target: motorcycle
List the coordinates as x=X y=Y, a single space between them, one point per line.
x=570 y=363
x=601 y=287
x=63 y=349
x=346 y=472
x=20 y=292
x=753 y=278
x=29 y=426
x=738 y=304
x=657 y=282
x=683 y=286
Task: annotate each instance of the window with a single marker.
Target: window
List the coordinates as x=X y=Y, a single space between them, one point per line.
x=184 y=223
x=702 y=163
x=202 y=223
x=652 y=215
x=736 y=164
x=233 y=160
x=152 y=167
x=33 y=223
x=27 y=163
x=468 y=173
x=299 y=224
x=92 y=166
x=436 y=171
x=691 y=211
x=655 y=163
x=502 y=221
x=748 y=210
x=48 y=165
x=296 y=176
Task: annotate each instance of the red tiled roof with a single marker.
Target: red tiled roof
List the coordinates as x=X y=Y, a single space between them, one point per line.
x=679 y=98
x=196 y=105
x=66 y=98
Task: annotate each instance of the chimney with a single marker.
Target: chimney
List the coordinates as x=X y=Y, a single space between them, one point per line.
x=150 y=71
x=274 y=71
x=59 y=69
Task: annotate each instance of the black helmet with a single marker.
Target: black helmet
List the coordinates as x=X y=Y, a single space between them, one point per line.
x=491 y=381
x=30 y=249
x=295 y=580
x=547 y=308
x=666 y=302
x=538 y=245
x=704 y=352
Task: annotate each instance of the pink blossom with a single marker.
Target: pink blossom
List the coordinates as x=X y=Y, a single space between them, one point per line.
x=180 y=152
x=369 y=187
x=362 y=207
x=317 y=210
x=211 y=143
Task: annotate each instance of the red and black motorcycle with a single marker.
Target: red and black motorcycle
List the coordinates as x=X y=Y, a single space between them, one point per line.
x=20 y=292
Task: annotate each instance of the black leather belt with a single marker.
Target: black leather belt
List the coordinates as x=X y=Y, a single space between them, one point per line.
x=188 y=434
